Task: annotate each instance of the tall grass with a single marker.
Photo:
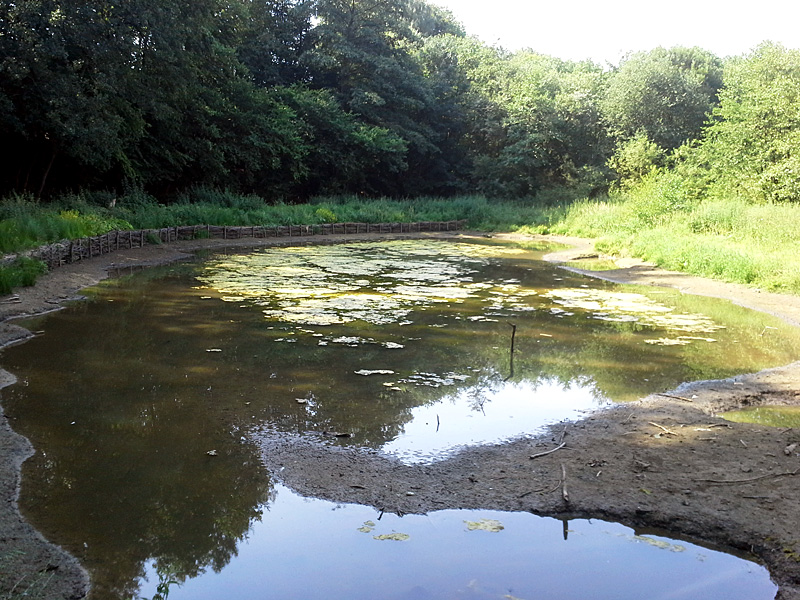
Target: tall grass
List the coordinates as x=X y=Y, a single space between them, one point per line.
x=481 y=213
x=26 y=224
x=729 y=239
x=658 y=221
x=22 y=272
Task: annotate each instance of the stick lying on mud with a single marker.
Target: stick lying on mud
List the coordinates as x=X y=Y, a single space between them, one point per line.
x=559 y=447
x=664 y=429
x=723 y=481
x=675 y=397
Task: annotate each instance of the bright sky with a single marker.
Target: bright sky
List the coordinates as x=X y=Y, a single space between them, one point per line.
x=604 y=30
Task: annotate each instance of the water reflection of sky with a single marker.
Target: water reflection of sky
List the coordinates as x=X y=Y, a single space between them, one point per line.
x=314 y=549
x=484 y=415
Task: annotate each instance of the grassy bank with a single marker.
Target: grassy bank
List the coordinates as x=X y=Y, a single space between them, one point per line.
x=26 y=224
x=729 y=240
x=725 y=239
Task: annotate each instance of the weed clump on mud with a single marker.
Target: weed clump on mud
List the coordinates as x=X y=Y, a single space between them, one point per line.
x=23 y=271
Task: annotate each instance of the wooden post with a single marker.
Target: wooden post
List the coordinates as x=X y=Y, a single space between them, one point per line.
x=511 y=354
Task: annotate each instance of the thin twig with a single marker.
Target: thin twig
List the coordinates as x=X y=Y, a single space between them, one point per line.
x=662 y=428
x=675 y=397
x=559 y=447
x=555 y=487
x=564 y=492
x=561 y=444
x=734 y=481
x=563 y=435
x=511 y=354
x=543 y=490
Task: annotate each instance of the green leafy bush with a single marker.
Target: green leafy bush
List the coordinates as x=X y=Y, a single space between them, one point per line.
x=22 y=272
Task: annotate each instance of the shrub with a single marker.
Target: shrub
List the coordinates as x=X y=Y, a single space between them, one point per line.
x=22 y=272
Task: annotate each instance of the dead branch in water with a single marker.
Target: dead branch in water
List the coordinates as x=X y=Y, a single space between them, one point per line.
x=511 y=355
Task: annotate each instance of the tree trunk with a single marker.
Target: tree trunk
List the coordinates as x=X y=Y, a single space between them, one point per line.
x=47 y=171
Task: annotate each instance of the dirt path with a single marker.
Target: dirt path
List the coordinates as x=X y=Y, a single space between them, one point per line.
x=663 y=462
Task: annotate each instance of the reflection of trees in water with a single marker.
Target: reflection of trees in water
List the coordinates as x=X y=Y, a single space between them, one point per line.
x=122 y=473
x=123 y=499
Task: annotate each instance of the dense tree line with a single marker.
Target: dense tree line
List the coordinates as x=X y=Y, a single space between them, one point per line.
x=294 y=98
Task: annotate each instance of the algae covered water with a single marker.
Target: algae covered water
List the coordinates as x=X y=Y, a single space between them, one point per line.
x=142 y=399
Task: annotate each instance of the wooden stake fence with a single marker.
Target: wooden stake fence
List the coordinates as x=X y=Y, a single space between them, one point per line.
x=66 y=252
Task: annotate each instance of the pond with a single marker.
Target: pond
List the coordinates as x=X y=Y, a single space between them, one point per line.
x=142 y=400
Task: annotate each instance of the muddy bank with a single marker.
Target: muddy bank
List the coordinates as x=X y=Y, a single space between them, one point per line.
x=29 y=565
x=664 y=462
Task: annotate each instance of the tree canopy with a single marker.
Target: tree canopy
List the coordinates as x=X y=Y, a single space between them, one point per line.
x=293 y=98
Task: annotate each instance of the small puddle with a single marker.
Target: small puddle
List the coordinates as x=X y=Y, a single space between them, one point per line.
x=143 y=400
x=474 y=417
x=313 y=549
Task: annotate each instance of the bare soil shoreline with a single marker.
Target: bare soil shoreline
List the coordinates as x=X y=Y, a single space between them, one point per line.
x=664 y=462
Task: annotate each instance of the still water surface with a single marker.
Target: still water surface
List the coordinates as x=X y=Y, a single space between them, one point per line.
x=346 y=552
x=403 y=345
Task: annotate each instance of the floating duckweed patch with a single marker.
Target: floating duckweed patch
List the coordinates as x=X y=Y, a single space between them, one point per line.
x=668 y=342
x=630 y=307
x=383 y=283
x=374 y=372
x=492 y=525
x=395 y=537
x=376 y=282
x=662 y=544
x=433 y=380
x=681 y=340
x=367 y=527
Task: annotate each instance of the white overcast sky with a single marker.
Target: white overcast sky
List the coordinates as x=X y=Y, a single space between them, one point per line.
x=604 y=30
